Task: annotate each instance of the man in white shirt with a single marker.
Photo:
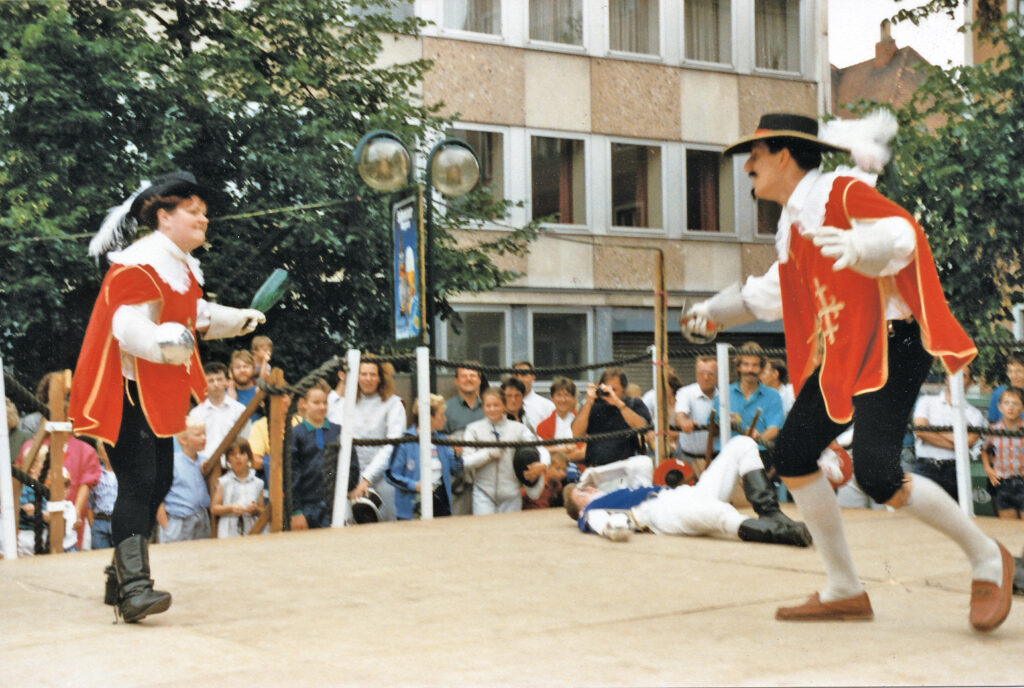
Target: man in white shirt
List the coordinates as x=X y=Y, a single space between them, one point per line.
x=936 y=458
x=693 y=407
x=218 y=411
x=536 y=407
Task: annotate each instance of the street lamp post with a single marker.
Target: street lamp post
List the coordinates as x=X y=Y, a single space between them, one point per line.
x=452 y=168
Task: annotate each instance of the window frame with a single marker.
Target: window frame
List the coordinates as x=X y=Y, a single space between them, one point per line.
x=608 y=190
x=441 y=327
x=732 y=63
x=500 y=37
x=582 y=47
x=801 y=48
x=506 y=149
x=560 y=310
x=723 y=203
x=587 y=140
x=662 y=34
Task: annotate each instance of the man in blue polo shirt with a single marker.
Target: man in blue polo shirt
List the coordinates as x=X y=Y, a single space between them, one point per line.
x=747 y=395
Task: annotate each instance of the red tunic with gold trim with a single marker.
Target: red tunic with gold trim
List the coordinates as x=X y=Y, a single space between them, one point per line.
x=97 y=389
x=838 y=319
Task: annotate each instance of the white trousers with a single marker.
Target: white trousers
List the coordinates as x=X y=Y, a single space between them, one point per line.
x=703 y=509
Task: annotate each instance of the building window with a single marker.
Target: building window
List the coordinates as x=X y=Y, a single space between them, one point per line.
x=559 y=339
x=636 y=185
x=703 y=169
x=490 y=151
x=634 y=26
x=558 y=180
x=481 y=338
x=777 y=34
x=557 y=21
x=708 y=30
x=478 y=16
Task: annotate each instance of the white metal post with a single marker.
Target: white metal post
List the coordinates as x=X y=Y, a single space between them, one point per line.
x=424 y=430
x=7 y=499
x=341 y=505
x=724 y=414
x=963 y=456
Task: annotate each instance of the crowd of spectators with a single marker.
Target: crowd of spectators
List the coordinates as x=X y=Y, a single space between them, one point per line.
x=232 y=498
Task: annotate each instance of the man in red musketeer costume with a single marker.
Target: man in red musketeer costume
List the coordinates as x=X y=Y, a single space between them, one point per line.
x=864 y=315
x=139 y=364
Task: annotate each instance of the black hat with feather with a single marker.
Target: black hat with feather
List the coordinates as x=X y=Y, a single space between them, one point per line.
x=121 y=225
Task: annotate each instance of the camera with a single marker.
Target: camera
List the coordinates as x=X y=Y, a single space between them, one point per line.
x=601 y=393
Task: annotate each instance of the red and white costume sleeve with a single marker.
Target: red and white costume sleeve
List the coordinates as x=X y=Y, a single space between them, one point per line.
x=836 y=320
x=156 y=275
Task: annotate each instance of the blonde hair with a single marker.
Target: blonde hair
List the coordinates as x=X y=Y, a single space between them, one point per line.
x=436 y=404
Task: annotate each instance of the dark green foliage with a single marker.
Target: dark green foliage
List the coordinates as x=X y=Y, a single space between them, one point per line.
x=964 y=181
x=263 y=100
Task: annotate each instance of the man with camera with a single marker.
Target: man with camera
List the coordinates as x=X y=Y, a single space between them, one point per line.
x=608 y=409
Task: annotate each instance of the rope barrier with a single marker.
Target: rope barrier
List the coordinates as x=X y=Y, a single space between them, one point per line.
x=24 y=399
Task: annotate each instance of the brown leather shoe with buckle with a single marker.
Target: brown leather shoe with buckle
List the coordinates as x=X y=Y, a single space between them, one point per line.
x=990 y=603
x=856 y=608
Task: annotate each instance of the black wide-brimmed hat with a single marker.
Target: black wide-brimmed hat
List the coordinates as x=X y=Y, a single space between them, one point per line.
x=178 y=183
x=121 y=225
x=784 y=125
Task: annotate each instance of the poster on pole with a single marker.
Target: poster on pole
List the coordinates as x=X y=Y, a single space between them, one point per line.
x=407 y=261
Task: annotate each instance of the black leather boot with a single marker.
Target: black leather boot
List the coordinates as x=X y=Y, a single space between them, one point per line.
x=110 y=593
x=775 y=531
x=136 y=596
x=761 y=493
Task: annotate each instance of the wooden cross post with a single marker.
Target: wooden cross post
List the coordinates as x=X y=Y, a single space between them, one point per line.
x=59 y=386
x=275 y=428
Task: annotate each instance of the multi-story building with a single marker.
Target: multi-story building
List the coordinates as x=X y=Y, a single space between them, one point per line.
x=608 y=117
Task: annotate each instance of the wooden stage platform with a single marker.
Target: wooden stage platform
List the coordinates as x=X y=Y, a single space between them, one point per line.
x=513 y=600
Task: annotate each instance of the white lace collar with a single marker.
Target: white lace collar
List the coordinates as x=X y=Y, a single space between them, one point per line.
x=806 y=205
x=163 y=255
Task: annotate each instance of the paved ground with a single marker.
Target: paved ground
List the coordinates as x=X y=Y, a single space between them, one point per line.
x=521 y=600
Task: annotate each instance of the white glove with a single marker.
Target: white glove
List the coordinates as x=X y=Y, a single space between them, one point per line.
x=696 y=324
x=725 y=309
x=862 y=250
x=232 y=322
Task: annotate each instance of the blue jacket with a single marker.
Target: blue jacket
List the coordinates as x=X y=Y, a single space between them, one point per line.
x=404 y=472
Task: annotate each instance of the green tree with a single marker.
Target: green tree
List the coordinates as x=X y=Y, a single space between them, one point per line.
x=964 y=180
x=265 y=101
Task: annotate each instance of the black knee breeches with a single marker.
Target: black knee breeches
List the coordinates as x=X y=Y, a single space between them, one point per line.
x=144 y=466
x=880 y=417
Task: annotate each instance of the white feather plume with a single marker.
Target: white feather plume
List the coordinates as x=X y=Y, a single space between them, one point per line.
x=866 y=138
x=118 y=229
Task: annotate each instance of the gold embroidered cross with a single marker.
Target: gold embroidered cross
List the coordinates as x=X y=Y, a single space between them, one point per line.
x=828 y=311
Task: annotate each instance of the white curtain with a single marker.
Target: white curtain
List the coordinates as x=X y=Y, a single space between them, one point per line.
x=704 y=20
x=633 y=25
x=770 y=32
x=557 y=21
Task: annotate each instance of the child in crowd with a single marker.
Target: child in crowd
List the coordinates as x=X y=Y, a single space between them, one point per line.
x=1015 y=374
x=404 y=469
x=495 y=485
x=1003 y=457
x=309 y=440
x=101 y=501
x=242 y=385
x=219 y=411
x=184 y=514
x=238 y=497
x=262 y=349
x=554 y=476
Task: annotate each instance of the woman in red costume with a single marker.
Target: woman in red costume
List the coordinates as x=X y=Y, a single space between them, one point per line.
x=864 y=316
x=139 y=364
